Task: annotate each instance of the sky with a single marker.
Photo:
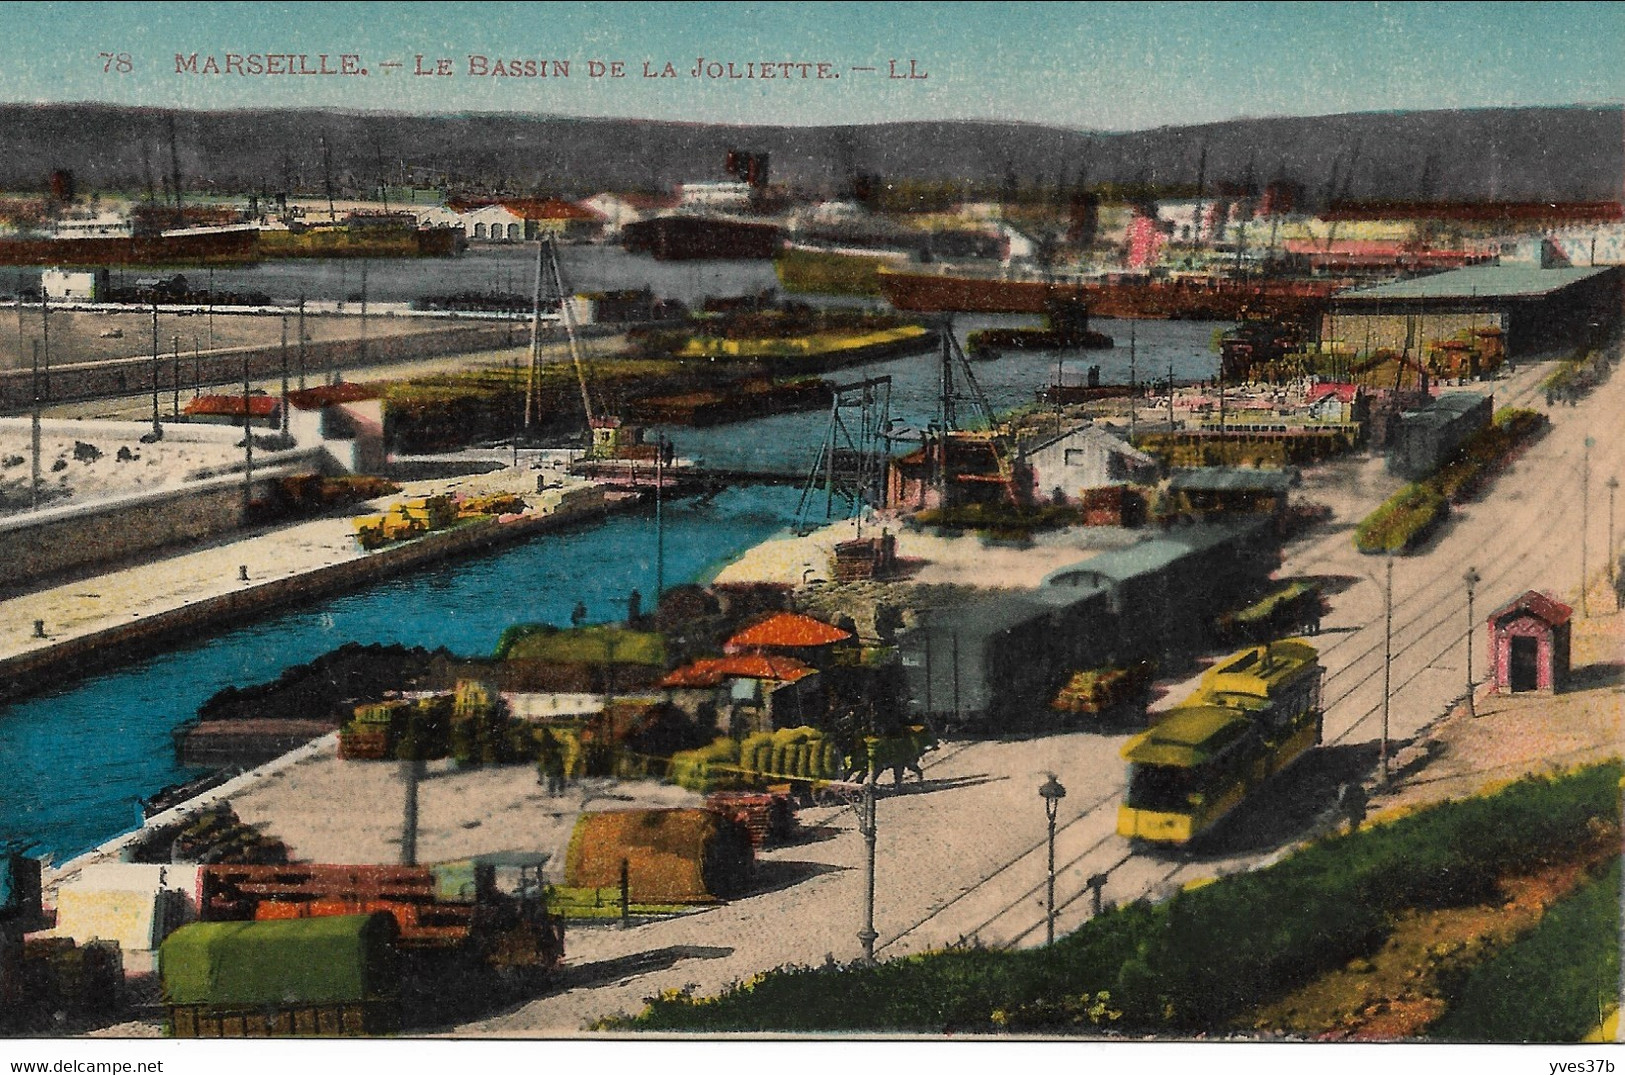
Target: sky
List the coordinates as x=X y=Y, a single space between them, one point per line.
x=1104 y=66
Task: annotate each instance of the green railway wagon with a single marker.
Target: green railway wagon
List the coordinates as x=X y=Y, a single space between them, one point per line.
x=334 y=976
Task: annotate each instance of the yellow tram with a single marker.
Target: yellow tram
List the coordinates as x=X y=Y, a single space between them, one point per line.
x=1255 y=713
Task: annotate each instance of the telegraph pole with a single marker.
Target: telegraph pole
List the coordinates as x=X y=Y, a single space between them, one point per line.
x=34 y=486
x=1613 y=564
x=1133 y=390
x=1585 y=519
x=1387 y=665
x=248 y=447
x=301 y=343
x=1472 y=579
x=284 y=375
x=157 y=429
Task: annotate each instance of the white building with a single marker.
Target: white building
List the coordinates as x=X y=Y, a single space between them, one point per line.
x=1087 y=458
x=725 y=195
x=493 y=224
x=69 y=286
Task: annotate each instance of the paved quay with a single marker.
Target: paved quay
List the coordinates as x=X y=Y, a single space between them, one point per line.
x=82 y=622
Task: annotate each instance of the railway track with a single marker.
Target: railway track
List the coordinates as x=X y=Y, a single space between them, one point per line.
x=1429 y=623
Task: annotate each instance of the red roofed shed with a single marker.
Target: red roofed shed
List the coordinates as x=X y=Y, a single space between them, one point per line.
x=786 y=631
x=265 y=410
x=1529 y=644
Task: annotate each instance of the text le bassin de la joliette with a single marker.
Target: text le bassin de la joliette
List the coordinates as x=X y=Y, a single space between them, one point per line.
x=506 y=68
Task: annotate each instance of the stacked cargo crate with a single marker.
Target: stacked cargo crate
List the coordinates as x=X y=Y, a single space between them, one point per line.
x=371 y=735
x=767 y=816
x=1100 y=690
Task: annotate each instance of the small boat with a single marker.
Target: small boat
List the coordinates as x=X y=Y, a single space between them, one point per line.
x=173 y=795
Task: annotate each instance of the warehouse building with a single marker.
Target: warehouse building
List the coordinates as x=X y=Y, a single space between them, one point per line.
x=993 y=658
x=1538 y=310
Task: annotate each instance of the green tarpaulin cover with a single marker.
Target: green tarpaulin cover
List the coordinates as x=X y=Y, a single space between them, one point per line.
x=336 y=960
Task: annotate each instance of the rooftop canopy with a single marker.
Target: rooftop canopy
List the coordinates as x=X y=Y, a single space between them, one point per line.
x=1475 y=282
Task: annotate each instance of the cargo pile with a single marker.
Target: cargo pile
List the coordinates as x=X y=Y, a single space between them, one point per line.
x=405 y=519
x=789 y=753
x=670 y=856
x=215 y=835
x=468 y=724
x=707 y=768
x=1100 y=690
x=1291 y=608
x=317 y=492
x=767 y=816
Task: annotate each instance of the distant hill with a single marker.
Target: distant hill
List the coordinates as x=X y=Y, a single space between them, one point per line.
x=1507 y=154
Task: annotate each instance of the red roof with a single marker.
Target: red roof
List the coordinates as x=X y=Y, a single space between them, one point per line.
x=786 y=630
x=1543 y=607
x=1345 y=393
x=548 y=209
x=310 y=399
x=232 y=406
x=711 y=671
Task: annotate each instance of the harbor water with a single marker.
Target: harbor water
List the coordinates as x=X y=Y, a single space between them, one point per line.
x=82 y=757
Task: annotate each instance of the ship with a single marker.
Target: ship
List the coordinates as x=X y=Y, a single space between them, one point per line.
x=1196 y=297
x=227 y=245
x=689 y=238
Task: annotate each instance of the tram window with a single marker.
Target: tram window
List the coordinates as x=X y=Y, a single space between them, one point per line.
x=1160 y=787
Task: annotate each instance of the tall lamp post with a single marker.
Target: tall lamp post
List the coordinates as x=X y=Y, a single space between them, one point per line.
x=866 y=825
x=1472 y=579
x=1052 y=792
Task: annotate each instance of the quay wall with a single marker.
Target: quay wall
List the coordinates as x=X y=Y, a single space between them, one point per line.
x=34 y=669
x=134 y=376
x=57 y=541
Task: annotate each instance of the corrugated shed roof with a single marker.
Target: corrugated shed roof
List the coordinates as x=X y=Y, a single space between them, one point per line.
x=1477 y=281
x=786 y=630
x=1232 y=479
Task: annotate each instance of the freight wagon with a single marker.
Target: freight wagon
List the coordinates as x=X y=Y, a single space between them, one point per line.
x=332 y=976
x=490 y=909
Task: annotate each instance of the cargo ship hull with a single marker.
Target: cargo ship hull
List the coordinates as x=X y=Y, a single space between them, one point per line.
x=1215 y=299
x=214 y=248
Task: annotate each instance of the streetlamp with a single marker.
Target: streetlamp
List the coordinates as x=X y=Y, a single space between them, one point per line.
x=1472 y=579
x=866 y=825
x=1052 y=793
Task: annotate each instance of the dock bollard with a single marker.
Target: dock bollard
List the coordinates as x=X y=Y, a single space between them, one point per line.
x=242 y=572
x=39 y=628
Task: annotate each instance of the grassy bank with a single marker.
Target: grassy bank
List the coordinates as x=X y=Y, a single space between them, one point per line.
x=1553 y=984
x=1201 y=962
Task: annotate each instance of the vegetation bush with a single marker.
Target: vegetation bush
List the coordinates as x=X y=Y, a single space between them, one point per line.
x=1553 y=984
x=1196 y=963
